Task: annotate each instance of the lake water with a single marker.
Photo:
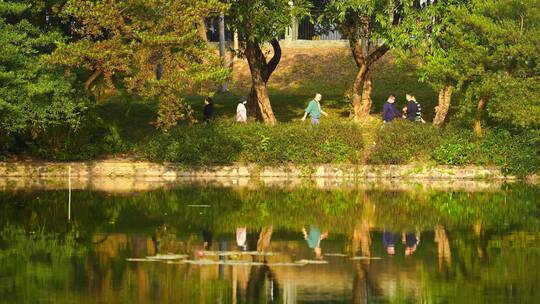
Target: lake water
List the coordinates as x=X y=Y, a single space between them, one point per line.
x=204 y=243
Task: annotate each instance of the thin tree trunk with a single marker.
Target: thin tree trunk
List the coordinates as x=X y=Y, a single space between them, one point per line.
x=443 y=246
x=367 y=90
x=441 y=110
x=359 y=96
x=478 y=129
x=222 y=52
x=201 y=29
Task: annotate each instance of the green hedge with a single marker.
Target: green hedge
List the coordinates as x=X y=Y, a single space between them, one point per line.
x=402 y=142
x=224 y=142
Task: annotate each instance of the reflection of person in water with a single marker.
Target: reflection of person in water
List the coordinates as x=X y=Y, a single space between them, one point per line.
x=411 y=241
x=207 y=238
x=389 y=241
x=241 y=238
x=314 y=238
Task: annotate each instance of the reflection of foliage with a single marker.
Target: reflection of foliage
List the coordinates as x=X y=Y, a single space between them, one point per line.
x=18 y=243
x=337 y=209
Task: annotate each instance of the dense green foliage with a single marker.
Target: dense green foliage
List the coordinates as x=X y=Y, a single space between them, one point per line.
x=150 y=49
x=263 y=20
x=225 y=142
x=34 y=96
x=402 y=142
x=493 y=47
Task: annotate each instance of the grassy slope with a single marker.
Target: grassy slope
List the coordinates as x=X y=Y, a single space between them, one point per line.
x=301 y=73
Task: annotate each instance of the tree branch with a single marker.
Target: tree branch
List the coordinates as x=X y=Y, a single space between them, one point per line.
x=378 y=53
x=273 y=63
x=88 y=83
x=358 y=54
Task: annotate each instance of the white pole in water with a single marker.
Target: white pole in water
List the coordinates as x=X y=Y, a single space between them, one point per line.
x=69 y=194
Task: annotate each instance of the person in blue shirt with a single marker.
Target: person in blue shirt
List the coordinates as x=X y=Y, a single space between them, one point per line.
x=389 y=110
x=314 y=110
x=389 y=242
x=314 y=238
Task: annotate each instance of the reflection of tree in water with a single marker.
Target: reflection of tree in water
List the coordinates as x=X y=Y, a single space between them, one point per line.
x=443 y=247
x=257 y=287
x=361 y=242
x=259 y=276
x=361 y=246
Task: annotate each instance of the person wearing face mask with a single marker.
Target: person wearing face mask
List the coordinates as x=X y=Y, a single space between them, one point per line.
x=389 y=110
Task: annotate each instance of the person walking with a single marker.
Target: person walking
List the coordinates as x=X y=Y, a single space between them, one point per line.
x=413 y=111
x=241 y=111
x=389 y=110
x=314 y=110
x=208 y=112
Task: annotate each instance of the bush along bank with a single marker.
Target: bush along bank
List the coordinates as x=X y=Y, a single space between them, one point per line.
x=402 y=142
x=336 y=142
x=224 y=142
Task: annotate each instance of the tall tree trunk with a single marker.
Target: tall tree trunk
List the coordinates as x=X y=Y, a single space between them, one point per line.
x=478 y=129
x=261 y=70
x=362 y=88
x=262 y=101
x=441 y=110
x=361 y=98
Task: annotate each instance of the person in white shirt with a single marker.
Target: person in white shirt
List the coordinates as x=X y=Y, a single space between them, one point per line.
x=241 y=111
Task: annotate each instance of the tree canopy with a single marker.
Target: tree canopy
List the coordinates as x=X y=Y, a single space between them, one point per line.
x=151 y=49
x=34 y=96
x=372 y=28
x=492 y=48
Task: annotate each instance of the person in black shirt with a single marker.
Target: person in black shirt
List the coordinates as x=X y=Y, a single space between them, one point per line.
x=413 y=110
x=208 y=112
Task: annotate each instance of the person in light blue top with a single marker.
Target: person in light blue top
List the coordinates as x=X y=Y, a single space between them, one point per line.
x=314 y=238
x=314 y=110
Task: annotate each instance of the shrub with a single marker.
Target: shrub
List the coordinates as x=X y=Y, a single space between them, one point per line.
x=457 y=147
x=516 y=153
x=92 y=140
x=401 y=142
x=225 y=141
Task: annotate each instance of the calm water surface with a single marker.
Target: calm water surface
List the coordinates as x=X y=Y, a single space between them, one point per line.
x=204 y=244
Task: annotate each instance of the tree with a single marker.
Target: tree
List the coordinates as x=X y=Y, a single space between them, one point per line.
x=429 y=49
x=152 y=49
x=34 y=96
x=494 y=47
x=371 y=28
x=258 y=22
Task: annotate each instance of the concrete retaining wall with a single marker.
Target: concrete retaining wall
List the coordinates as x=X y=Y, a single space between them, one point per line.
x=169 y=171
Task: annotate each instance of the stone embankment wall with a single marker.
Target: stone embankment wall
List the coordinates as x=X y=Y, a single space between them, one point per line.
x=169 y=171
x=125 y=176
